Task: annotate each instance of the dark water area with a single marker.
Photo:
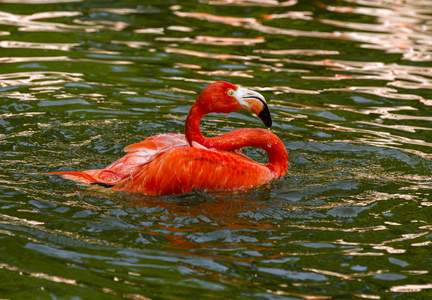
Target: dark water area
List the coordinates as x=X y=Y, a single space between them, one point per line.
x=348 y=84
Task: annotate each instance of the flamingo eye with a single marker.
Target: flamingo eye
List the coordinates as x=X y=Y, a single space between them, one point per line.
x=230 y=93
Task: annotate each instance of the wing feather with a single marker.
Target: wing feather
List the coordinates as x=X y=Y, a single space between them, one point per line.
x=181 y=170
x=137 y=155
x=165 y=164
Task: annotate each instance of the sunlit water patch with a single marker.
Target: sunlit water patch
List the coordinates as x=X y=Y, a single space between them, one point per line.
x=348 y=85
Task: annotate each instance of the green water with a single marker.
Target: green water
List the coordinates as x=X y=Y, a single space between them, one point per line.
x=348 y=84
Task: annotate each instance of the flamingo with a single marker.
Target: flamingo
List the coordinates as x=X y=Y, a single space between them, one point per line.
x=171 y=164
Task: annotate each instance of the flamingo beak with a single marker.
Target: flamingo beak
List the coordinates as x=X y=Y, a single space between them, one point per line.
x=255 y=102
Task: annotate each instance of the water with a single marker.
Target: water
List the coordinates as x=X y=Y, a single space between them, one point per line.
x=348 y=84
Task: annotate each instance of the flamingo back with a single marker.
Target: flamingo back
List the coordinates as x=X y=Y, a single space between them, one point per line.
x=183 y=169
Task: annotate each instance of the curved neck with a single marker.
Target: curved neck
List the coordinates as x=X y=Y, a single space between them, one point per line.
x=260 y=138
x=192 y=125
x=239 y=138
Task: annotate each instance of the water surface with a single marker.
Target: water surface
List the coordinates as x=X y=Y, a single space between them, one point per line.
x=348 y=84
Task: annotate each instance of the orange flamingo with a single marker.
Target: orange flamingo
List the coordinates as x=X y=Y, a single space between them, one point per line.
x=170 y=164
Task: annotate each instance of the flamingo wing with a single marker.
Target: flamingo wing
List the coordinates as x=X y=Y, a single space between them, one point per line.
x=159 y=142
x=137 y=155
x=183 y=169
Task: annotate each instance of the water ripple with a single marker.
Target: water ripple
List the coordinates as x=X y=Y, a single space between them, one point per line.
x=348 y=85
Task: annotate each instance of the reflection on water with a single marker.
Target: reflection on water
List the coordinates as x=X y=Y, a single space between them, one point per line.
x=348 y=84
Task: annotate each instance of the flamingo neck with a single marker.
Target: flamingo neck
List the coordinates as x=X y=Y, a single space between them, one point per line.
x=193 y=131
x=192 y=126
x=260 y=138
x=237 y=139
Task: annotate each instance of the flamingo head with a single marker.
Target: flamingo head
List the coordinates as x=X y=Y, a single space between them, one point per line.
x=225 y=97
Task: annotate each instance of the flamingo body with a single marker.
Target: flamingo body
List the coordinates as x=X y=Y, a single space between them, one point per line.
x=180 y=170
x=170 y=164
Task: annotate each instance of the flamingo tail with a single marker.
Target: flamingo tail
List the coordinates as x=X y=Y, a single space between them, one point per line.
x=89 y=177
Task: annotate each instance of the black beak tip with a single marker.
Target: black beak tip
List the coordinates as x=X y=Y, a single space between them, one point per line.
x=264 y=115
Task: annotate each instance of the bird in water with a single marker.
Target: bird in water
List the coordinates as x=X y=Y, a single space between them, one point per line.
x=171 y=164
